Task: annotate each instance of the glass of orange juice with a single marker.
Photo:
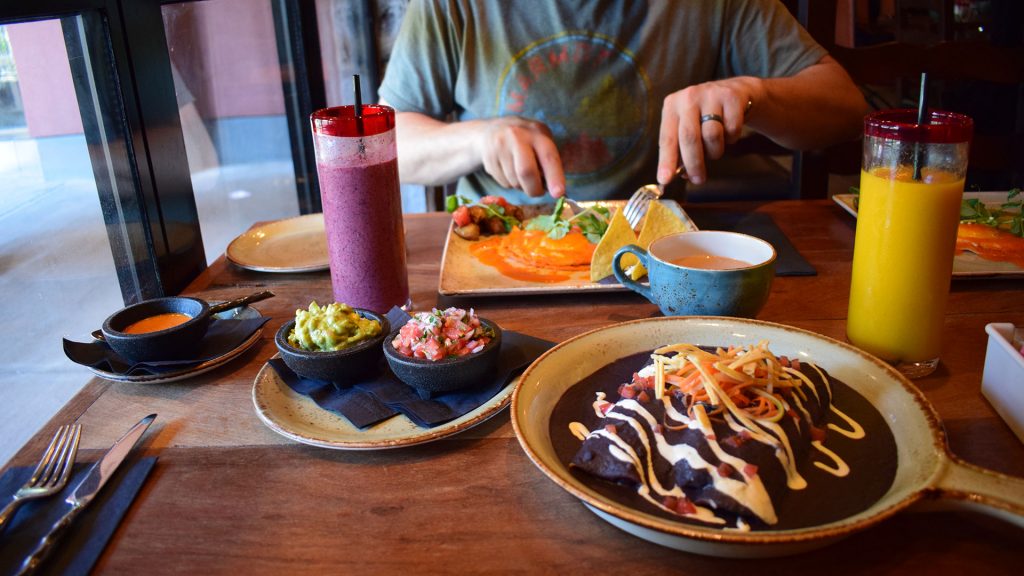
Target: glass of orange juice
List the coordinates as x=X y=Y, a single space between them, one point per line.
x=911 y=183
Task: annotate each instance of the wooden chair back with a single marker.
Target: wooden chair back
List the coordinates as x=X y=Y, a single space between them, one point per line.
x=967 y=66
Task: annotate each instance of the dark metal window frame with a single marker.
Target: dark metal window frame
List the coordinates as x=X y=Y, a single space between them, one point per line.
x=133 y=129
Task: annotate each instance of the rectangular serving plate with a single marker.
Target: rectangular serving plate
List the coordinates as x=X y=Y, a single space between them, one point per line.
x=967 y=264
x=463 y=275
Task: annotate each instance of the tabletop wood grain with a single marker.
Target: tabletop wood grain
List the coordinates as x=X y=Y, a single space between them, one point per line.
x=230 y=496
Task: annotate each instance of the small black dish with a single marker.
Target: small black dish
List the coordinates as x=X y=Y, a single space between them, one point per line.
x=342 y=367
x=175 y=343
x=447 y=375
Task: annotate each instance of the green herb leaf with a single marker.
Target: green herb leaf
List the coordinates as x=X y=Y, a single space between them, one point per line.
x=548 y=222
x=1007 y=217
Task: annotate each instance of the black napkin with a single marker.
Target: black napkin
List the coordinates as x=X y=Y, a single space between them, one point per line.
x=223 y=336
x=377 y=399
x=82 y=544
x=788 y=262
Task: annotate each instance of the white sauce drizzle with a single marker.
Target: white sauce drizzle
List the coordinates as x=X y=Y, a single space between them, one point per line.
x=579 y=431
x=855 y=432
x=800 y=406
x=840 y=469
x=751 y=492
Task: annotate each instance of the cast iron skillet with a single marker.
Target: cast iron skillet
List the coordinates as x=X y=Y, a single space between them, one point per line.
x=926 y=470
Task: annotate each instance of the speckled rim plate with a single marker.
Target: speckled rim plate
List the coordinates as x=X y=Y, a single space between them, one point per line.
x=925 y=470
x=462 y=275
x=291 y=245
x=967 y=264
x=243 y=313
x=298 y=418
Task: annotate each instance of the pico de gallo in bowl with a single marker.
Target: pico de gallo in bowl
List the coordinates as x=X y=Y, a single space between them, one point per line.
x=441 y=334
x=444 y=350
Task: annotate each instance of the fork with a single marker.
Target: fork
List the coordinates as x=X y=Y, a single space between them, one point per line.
x=52 y=473
x=636 y=207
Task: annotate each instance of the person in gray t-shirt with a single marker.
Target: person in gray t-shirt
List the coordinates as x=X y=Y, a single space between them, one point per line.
x=600 y=97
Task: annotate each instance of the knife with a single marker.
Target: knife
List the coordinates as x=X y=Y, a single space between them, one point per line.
x=86 y=491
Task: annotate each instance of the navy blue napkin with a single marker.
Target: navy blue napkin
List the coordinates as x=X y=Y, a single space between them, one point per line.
x=79 y=548
x=375 y=400
x=788 y=261
x=223 y=336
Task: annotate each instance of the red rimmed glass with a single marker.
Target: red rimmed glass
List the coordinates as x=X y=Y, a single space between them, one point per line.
x=357 y=162
x=912 y=181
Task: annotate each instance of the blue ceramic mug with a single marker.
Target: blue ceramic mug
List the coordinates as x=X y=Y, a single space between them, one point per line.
x=704 y=273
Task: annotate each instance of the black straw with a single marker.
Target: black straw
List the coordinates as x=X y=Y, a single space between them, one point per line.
x=922 y=118
x=359 y=103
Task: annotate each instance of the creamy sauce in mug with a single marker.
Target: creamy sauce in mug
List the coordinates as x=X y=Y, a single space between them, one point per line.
x=710 y=262
x=156 y=323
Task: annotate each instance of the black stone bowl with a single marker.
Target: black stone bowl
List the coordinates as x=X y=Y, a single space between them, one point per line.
x=342 y=367
x=179 y=342
x=447 y=375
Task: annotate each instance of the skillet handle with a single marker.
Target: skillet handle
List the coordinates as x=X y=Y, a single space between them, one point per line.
x=983 y=490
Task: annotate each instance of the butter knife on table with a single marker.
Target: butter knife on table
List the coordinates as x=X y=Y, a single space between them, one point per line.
x=86 y=491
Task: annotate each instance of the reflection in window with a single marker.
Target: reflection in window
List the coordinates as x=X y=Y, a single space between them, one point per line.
x=58 y=276
x=228 y=84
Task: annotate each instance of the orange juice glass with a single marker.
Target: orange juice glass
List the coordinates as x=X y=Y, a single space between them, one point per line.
x=911 y=184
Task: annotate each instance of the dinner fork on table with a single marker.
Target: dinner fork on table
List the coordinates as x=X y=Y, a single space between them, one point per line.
x=636 y=207
x=52 y=473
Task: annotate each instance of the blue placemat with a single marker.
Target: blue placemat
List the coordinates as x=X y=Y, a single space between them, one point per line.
x=79 y=548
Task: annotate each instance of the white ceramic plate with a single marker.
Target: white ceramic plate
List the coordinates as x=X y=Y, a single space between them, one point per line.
x=966 y=264
x=243 y=313
x=292 y=245
x=298 y=417
x=925 y=468
x=463 y=275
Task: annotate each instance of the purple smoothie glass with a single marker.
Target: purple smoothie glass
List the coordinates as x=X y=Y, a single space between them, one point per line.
x=357 y=161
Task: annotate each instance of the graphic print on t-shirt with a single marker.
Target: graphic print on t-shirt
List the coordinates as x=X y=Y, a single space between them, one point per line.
x=591 y=93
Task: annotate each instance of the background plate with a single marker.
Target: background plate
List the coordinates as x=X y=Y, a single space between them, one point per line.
x=463 y=275
x=290 y=245
x=967 y=264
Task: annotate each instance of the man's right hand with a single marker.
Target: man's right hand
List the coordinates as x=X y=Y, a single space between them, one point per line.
x=520 y=153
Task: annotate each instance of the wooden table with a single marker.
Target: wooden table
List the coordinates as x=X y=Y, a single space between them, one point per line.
x=229 y=496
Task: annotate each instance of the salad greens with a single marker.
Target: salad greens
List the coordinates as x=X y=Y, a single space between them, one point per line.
x=1009 y=216
x=592 y=222
x=452 y=203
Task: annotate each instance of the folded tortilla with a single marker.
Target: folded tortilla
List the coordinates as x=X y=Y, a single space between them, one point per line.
x=697 y=466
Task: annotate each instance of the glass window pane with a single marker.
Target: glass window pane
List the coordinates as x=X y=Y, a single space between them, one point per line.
x=58 y=277
x=228 y=83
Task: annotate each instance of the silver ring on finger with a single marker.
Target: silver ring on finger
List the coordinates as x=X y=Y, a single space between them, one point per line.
x=712 y=118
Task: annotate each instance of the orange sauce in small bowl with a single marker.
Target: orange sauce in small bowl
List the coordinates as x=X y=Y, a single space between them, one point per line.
x=157 y=323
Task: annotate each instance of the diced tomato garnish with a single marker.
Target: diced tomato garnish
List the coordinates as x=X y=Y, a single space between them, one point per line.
x=685 y=507
x=461 y=216
x=494 y=200
x=750 y=470
x=628 y=392
x=818 y=434
x=725 y=470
